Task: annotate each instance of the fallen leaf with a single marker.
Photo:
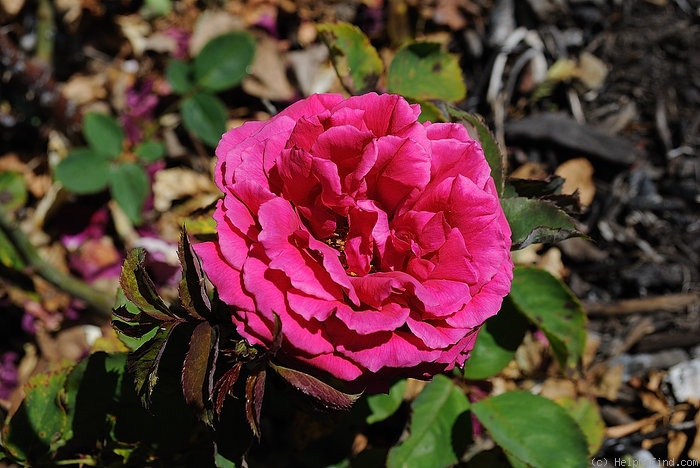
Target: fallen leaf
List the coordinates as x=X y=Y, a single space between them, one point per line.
x=578 y=175
x=11 y=7
x=177 y=183
x=268 y=74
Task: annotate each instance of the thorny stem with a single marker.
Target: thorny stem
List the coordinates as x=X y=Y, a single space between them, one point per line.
x=97 y=301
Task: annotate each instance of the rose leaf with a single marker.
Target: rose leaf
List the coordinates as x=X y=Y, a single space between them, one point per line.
x=39 y=425
x=139 y=288
x=532 y=430
x=327 y=395
x=225 y=384
x=422 y=71
x=193 y=292
x=554 y=309
x=355 y=59
x=496 y=343
x=587 y=415
x=439 y=429
x=198 y=368
x=536 y=221
x=254 y=392
x=145 y=362
x=477 y=128
x=384 y=405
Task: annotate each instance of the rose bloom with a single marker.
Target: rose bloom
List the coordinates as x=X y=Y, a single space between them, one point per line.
x=379 y=242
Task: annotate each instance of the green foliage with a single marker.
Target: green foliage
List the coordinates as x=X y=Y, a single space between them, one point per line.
x=384 y=405
x=104 y=135
x=221 y=64
x=356 y=61
x=495 y=346
x=13 y=192
x=532 y=430
x=423 y=71
x=550 y=305
x=204 y=115
x=535 y=221
x=39 y=426
x=587 y=415
x=439 y=430
x=129 y=186
x=103 y=163
x=83 y=171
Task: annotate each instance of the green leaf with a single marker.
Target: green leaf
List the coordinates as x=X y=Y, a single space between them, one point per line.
x=436 y=424
x=384 y=405
x=9 y=256
x=355 y=59
x=129 y=186
x=13 y=192
x=327 y=395
x=197 y=370
x=550 y=305
x=205 y=116
x=422 y=71
x=150 y=151
x=139 y=288
x=104 y=134
x=477 y=128
x=429 y=112
x=83 y=171
x=587 y=415
x=536 y=221
x=40 y=425
x=533 y=430
x=179 y=75
x=496 y=343
x=223 y=62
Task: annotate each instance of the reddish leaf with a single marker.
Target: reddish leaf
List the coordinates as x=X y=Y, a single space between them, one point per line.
x=225 y=384
x=254 y=392
x=197 y=366
x=329 y=396
x=193 y=293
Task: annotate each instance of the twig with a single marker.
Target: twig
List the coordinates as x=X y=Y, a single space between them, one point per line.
x=97 y=301
x=669 y=302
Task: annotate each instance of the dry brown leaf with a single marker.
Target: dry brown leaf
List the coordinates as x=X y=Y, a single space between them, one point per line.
x=530 y=170
x=551 y=262
x=268 y=74
x=554 y=388
x=83 y=89
x=210 y=24
x=694 y=451
x=177 y=183
x=11 y=7
x=578 y=175
x=592 y=70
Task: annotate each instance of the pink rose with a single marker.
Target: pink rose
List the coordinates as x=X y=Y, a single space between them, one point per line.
x=379 y=242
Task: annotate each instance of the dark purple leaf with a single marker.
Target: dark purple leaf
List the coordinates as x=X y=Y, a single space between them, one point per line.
x=254 y=392
x=327 y=395
x=197 y=366
x=193 y=292
x=145 y=361
x=225 y=384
